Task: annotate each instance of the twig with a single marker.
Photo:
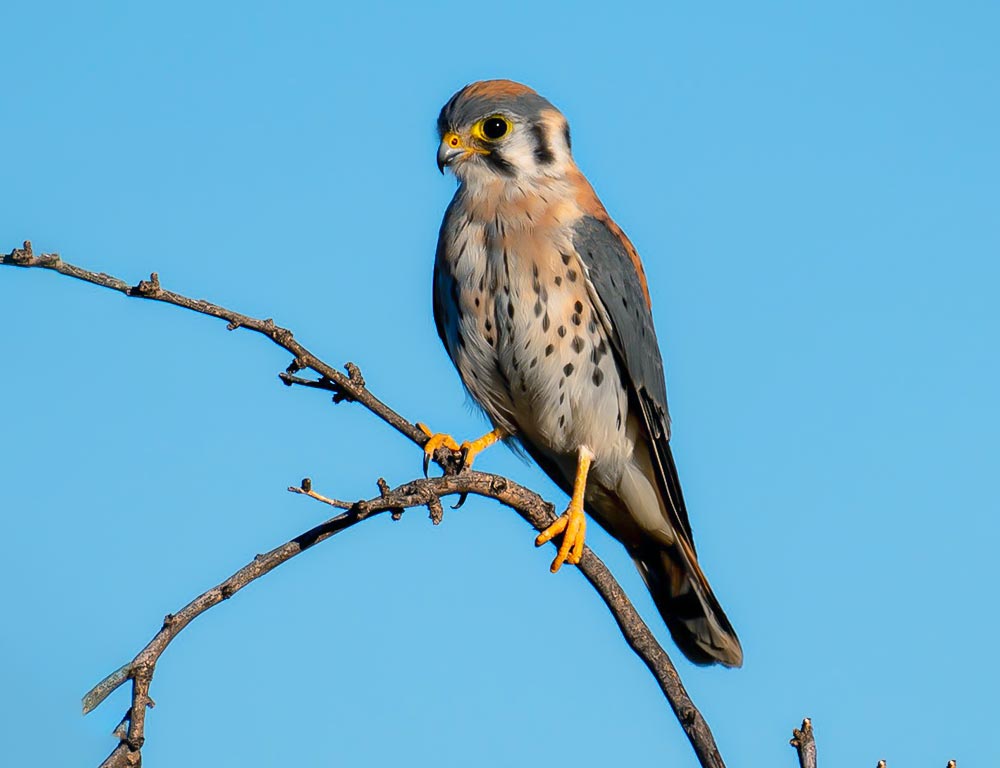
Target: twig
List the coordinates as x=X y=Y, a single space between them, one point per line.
x=422 y=492
x=805 y=744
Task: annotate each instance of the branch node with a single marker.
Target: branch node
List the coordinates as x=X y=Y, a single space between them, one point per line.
x=295 y=366
x=168 y=620
x=232 y=325
x=436 y=510
x=227 y=591
x=355 y=373
x=307 y=484
x=498 y=484
x=148 y=289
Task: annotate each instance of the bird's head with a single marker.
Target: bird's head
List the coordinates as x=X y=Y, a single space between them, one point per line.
x=501 y=130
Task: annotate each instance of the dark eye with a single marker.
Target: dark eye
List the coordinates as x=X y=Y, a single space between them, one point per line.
x=495 y=128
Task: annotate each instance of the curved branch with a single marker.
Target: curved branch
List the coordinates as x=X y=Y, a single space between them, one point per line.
x=419 y=493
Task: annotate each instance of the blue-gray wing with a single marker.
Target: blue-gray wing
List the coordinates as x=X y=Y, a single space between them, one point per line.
x=629 y=323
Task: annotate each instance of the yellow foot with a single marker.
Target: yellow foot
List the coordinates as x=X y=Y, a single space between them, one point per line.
x=572 y=523
x=469 y=449
x=435 y=440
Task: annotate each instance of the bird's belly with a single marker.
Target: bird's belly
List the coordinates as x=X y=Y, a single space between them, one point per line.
x=563 y=383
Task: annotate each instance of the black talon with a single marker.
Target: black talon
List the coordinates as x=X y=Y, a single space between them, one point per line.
x=461 y=500
x=461 y=466
x=427 y=462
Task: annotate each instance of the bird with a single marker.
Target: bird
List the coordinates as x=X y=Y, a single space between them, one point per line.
x=543 y=307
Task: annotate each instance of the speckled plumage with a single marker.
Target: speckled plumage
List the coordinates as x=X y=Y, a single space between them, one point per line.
x=542 y=304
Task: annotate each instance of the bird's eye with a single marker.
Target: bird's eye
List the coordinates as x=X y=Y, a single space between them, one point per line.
x=495 y=127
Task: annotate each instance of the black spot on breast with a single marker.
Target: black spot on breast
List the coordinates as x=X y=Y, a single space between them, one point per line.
x=577 y=344
x=549 y=350
x=598 y=377
x=558 y=279
x=477 y=301
x=545 y=322
x=578 y=306
x=592 y=327
x=562 y=421
x=571 y=274
x=567 y=369
x=538 y=308
x=489 y=340
x=565 y=257
x=510 y=309
x=488 y=325
x=598 y=352
x=561 y=331
x=576 y=319
x=562 y=398
x=534 y=362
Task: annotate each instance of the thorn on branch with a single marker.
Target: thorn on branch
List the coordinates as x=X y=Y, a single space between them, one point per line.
x=147 y=288
x=232 y=325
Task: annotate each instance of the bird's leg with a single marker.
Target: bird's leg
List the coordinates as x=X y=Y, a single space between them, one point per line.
x=472 y=448
x=469 y=449
x=572 y=523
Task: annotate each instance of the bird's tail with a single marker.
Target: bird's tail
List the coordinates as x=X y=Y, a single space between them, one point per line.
x=685 y=600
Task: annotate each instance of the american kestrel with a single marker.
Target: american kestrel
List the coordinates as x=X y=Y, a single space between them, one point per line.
x=542 y=304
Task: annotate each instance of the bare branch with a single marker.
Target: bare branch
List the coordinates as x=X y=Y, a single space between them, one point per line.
x=805 y=744
x=419 y=493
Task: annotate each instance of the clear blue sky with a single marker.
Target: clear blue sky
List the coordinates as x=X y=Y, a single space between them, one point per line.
x=815 y=194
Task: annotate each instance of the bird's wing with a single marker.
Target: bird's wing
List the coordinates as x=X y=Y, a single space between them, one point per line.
x=615 y=278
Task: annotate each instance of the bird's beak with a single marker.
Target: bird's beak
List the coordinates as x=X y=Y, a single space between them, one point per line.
x=450 y=148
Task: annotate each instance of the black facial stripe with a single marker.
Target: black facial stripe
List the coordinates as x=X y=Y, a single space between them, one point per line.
x=495 y=161
x=569 y=143
x=543 y=152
